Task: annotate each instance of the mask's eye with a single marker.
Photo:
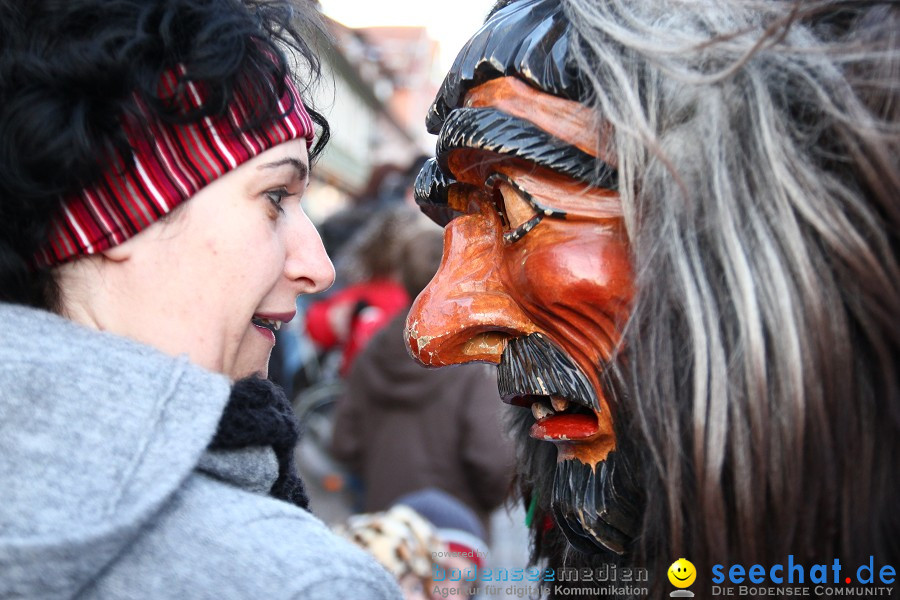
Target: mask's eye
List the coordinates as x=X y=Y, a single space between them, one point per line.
x=518 y=210
x=515 y=207
x=500 y=206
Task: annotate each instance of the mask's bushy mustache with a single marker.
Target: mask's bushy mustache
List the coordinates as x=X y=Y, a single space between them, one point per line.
x=533 y=365
x=595 y=505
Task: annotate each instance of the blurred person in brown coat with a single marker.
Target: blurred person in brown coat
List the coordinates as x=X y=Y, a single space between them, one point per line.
x=402 y=427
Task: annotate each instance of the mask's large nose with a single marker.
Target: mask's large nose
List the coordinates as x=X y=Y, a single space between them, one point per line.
x=465 y=314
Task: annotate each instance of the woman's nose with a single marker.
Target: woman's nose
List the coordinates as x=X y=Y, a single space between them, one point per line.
x=307 y=264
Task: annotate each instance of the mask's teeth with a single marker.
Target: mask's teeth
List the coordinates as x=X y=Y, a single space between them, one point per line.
x=559 y=404
x=276 y=325
x=541 y=410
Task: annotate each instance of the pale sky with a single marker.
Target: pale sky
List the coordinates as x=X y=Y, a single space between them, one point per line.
x=450 y=23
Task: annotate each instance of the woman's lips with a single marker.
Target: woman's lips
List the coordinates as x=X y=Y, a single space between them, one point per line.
x=268 y=323
x=268 y=333
x=284 y=317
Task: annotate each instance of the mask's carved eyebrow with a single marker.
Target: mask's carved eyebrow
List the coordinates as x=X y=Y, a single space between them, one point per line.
x=300 y=166
x=495 y=131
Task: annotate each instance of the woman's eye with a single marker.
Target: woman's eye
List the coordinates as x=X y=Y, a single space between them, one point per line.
x=276 y=197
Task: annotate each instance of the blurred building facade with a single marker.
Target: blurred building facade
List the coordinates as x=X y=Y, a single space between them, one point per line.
x=383 y=84
x=409 y=56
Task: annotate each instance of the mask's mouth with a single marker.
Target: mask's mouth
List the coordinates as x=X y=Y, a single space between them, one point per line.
x=264 y=323
x=559 y=419
x=593 y=495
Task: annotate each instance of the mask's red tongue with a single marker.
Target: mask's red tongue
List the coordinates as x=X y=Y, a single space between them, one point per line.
x=566 y=427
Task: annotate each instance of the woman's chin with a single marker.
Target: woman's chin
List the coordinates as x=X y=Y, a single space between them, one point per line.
x=247 y=364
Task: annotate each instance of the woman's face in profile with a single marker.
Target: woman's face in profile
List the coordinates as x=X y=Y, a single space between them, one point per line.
x=217 y=277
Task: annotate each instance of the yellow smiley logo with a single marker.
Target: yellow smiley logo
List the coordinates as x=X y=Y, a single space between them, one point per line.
x=682 y=573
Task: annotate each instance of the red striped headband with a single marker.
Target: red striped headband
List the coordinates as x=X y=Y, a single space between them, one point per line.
x=171 y=164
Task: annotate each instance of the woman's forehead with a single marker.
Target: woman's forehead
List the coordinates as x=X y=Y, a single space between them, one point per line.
x=292 y=153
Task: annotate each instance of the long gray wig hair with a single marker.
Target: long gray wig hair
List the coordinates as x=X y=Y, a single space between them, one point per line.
x=758 y=145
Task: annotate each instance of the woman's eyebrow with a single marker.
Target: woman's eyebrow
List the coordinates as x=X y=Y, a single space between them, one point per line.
x=299 y=165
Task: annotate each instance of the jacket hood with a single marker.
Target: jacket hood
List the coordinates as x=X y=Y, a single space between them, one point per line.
x=392 y=376
x=97 y=433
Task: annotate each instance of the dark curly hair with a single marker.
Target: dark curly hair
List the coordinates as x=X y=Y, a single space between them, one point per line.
x=70 y=70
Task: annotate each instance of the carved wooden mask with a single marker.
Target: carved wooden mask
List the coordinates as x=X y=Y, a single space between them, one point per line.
x=536 y=275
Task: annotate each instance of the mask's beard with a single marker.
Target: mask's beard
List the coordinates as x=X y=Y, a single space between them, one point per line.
x=596 y=507
x=599 y=506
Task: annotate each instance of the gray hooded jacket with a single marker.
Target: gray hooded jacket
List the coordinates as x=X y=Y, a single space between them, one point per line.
x=107 y=489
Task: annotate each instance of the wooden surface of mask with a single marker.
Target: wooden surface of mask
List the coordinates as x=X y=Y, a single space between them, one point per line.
x=535 y=278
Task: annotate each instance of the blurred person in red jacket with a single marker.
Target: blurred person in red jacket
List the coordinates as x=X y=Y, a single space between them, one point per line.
x=369 y=266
